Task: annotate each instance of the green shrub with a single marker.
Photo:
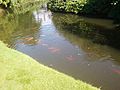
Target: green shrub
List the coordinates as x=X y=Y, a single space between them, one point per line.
x=104 y=8
x=13 y=3
x=56 y=5
x=21 y=6
x=74 y=6
x=97 y=8
x=6 y=3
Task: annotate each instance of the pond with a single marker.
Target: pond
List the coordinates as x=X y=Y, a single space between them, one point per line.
x=92 y=56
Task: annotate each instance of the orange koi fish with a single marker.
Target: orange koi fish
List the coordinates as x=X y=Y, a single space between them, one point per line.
x=116 y=71
x=70 y=58
x=54 y=50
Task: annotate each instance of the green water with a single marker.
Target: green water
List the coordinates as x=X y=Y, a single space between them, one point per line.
x=93 y=55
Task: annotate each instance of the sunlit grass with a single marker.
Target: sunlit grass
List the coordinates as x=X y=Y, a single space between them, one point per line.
x=20 y=72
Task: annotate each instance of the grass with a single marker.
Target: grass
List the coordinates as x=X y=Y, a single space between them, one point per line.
x=21 y=72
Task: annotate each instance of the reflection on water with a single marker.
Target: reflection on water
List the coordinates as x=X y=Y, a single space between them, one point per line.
x=97 y=34
x=93 y=40
x=89 y=36
x=21 y=28
x=45 y=37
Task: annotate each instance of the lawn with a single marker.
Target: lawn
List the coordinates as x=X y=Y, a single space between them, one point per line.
x=20 y=72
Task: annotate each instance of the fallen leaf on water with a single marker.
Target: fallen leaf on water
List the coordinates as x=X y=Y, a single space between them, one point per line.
x=79 y=54
x=51 y=65
x=44 y=44
x=88 y=48
x=88 y=64
x=42 y=35
x=34 y=28
x=30 y=38
x=36 y=40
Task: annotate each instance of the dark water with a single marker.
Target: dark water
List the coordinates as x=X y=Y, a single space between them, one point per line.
x=92 y=56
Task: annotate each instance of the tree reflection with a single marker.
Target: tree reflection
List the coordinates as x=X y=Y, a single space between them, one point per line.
x=15 y=28
x=88 y=36
x=95 y=33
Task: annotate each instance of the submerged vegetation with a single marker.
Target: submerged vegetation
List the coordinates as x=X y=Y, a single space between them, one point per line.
x=19 y=71
x=101 y=8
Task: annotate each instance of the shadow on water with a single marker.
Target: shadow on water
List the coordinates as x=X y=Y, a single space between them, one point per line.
x=95 y=33
x=98 y=42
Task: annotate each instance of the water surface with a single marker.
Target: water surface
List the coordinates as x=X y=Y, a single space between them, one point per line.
x=93 y=55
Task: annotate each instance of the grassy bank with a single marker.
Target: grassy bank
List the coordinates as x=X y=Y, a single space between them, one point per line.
x=20 y=72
